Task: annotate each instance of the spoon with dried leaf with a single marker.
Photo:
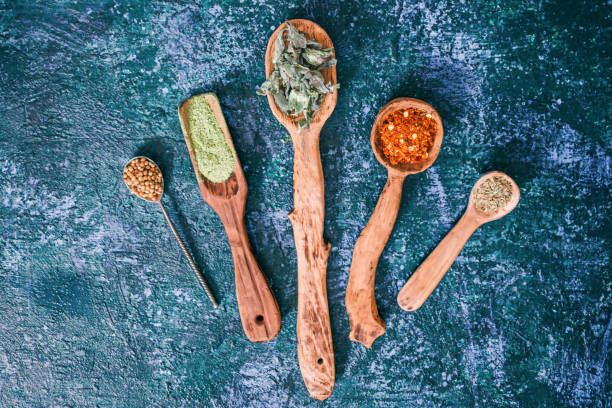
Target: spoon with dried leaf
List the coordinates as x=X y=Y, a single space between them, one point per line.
x=493 y=196
x=144 y=179
x=315 y=349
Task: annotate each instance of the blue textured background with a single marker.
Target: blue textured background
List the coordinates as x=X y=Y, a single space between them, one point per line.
x=99 y=306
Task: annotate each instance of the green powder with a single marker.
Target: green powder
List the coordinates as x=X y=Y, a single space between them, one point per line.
x=214 y=157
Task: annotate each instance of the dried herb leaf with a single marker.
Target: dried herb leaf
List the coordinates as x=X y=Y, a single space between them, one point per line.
x=296 y=83
x=281 y=101
x=279 y=46
x=317 y=57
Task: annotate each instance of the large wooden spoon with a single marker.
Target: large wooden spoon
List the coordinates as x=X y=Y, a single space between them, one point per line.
x=366 y=324
x=315 y=348
x=427 y=276
x=258 y=309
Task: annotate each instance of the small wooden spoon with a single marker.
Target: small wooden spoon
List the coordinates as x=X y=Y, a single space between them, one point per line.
x=366 y=324
x=259 y=312
x=427 y=276
x=315 y=348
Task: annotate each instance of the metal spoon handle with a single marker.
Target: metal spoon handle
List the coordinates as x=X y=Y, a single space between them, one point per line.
x=189 y=258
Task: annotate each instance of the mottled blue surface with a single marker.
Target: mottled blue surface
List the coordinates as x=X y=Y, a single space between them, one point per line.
x=99 y=306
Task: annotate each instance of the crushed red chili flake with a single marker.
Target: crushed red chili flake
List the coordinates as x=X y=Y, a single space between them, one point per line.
x=406 y=135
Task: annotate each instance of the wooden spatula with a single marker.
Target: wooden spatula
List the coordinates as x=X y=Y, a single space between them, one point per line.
x=258 y=309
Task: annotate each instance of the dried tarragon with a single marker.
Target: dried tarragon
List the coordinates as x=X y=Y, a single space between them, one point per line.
x=296 y=83
x=493 y=195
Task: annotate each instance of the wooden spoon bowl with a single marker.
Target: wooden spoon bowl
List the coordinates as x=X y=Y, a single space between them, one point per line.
x=366 y=324
x=427 y=276
x=315 y=347
x=482 y=217
x=406 y=168
x=329 y=74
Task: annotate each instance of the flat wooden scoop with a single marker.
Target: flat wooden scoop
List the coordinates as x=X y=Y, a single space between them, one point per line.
x=315 y=349
x=259 y=312
x=366 y=324
x=427 y=276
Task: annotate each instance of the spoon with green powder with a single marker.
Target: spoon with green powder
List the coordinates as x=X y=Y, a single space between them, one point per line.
x=223 y=186
x=493 y=196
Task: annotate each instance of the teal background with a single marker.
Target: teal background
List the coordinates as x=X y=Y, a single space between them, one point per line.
x=99 y=306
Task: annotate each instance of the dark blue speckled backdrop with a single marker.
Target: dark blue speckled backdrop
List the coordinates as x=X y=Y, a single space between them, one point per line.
x=99 y=306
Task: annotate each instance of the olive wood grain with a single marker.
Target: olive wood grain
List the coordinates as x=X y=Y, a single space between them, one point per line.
x=258 y=309
x=427 y=276
x=315 y=348
x=366 y=323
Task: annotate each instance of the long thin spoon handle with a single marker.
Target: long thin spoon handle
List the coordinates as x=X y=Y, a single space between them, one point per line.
x=366 y=324
x=189 y=258
x=315 y=348
x=427 y=276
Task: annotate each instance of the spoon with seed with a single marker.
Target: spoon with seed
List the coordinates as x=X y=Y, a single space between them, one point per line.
x=366 y=324
x=493 y=196
x=144 y=179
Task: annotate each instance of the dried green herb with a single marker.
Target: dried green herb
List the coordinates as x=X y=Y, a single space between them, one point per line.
x=296 y=83
x=214 y=157
x=493 y=195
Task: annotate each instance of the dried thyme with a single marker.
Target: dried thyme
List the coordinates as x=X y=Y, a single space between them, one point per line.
x=493 y=195
x=296 y=83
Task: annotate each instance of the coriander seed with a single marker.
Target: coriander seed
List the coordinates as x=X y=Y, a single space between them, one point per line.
x=144 y=179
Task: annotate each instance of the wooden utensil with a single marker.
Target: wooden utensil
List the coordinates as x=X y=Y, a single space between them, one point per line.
x=315 y=349
x=366 y=324
x=258 y=308
x=427 y=276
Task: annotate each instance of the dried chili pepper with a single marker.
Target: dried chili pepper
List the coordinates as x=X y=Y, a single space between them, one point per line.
x=407 y=135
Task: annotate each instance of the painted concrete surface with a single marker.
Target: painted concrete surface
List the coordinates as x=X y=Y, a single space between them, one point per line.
x=99 y=306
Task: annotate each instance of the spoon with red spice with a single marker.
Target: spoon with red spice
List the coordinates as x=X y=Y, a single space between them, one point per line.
x=406 y=139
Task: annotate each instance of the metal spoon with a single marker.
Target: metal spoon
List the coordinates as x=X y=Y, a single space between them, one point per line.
x=366 y=324
x=427 y=276
x=178 y=238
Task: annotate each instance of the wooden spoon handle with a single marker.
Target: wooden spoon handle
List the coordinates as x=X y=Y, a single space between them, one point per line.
x=366 y=324
x=315 y=348
x=258 y=309
x=427 y=276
